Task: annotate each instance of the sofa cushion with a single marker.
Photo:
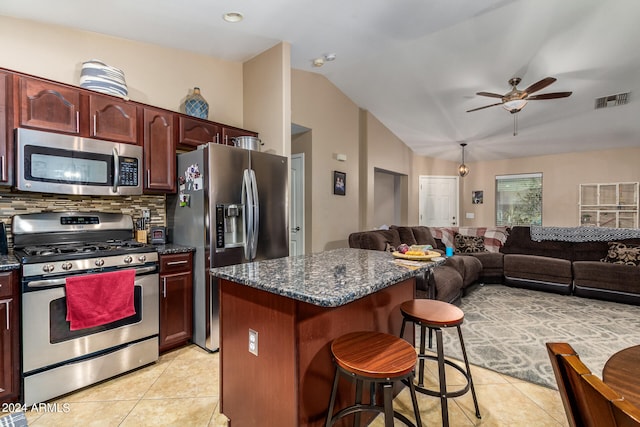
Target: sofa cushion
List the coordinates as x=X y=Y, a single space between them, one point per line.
x=472 y=270
x=607 y=276
x=538 y=268
x=380 y=240
x=492 y=266
x=406 y=234
x=354 y=239
x=621 y=253
x=469 y=244
x=446 y=283
x=519 y=242
x=494 y=237
x=423 y=236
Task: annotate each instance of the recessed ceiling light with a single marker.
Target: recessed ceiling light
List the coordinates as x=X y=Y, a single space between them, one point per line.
x=233 y=17
x=330 y=57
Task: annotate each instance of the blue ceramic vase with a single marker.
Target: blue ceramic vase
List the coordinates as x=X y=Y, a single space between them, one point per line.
x=196 y=105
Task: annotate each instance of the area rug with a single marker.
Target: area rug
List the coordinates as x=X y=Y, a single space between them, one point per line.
x=505 y=329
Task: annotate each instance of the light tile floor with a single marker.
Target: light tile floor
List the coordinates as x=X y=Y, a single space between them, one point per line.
x=182 y=390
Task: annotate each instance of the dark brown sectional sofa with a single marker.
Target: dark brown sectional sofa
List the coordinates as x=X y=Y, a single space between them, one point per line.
x=569 y=268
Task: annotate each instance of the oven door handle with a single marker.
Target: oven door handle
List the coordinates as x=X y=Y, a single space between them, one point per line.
x=61 y=281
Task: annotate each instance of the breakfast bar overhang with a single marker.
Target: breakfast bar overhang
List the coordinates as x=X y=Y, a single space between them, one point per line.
x=293 y=308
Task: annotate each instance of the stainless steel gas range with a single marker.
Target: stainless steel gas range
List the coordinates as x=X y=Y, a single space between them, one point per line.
x=53 y=247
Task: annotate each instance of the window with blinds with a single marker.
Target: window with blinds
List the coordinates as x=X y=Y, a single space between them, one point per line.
x=519 y=199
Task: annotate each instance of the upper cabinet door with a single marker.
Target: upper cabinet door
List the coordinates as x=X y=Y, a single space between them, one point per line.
x=6 y=159
x=113 y=119
x=159 y=151
x=48 y=106
x=193 y=132
x=228 y=133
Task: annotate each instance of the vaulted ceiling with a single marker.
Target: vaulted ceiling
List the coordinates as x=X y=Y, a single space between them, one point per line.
x=418 y=64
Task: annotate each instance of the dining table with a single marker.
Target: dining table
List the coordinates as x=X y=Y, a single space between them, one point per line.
x=622 y=373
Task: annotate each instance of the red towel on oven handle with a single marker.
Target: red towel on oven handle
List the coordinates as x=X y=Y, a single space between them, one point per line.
x=98 y=299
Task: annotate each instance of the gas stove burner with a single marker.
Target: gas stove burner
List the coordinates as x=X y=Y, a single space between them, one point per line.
x=125 y=244
x=82 y=250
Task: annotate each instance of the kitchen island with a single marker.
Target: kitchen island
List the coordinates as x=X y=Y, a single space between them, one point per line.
x=294 y=307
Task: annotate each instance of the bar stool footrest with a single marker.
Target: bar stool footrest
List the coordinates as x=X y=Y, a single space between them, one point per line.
x=353 y=409
x=436 y=393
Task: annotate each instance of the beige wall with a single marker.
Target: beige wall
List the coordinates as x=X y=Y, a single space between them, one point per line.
x=381 y=149
x=155 y=75
x=333 y=119
x=267 y=98
x=561 y=176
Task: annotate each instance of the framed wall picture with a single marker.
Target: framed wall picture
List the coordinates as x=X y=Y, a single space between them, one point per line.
x=477 y=197
x=339 y=183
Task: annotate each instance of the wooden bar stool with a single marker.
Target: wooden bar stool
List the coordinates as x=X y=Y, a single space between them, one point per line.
x=378 y=358
x=436 y=315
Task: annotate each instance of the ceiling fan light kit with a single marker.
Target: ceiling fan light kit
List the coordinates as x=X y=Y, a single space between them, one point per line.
x=515 y=100
x=463 y=170
x=515 y=105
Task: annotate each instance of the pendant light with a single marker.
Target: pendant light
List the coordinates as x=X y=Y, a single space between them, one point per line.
x=463 y=169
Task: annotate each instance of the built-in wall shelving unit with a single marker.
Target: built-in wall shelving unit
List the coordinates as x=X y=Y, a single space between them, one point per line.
x=609 y=205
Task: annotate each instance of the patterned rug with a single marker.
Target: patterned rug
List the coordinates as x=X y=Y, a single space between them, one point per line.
x=505 y=330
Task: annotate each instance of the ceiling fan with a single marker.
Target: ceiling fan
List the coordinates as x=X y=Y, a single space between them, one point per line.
x=515 y=100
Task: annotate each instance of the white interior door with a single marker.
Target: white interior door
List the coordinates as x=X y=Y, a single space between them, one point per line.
x=296 y=240
x=439 y=201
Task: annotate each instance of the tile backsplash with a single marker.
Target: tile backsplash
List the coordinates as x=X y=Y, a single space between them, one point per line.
x=13 y=203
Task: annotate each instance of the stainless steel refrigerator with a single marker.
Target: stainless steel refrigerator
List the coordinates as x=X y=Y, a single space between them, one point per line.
x=232 y=206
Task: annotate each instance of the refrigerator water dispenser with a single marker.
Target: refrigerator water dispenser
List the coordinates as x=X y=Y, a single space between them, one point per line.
x=229 y=226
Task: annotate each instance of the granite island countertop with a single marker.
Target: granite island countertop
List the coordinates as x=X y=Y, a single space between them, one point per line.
x=328 y=279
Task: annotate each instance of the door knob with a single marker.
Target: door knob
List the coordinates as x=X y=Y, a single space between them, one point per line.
x=296 y=229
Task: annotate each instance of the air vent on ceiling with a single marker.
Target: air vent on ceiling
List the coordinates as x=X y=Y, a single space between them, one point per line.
x=612 y=100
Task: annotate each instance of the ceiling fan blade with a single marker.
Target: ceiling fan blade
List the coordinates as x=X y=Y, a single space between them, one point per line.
x=486 y=106
x=489 y=94
x=540 y=85
x=553 y=95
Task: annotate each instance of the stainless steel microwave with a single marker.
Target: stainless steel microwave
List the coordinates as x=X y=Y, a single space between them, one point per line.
x=49 y=162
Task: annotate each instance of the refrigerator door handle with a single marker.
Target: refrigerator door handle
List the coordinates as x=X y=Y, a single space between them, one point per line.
x=256 y=215
x=247 y=201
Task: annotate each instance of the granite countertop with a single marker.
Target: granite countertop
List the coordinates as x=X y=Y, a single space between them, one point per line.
x=328 y=279
x=9 y=262
x=173 y=248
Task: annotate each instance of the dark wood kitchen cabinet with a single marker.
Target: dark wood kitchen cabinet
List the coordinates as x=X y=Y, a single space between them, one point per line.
x=56 y=107
x=6 y=146
x=176 y=300
x=9 y=337
x=159 y=151
x=48 y=106
x=193 y=132
x=113 y=119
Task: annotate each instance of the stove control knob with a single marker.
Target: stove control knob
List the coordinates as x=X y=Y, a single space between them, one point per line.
x=99 y=262
x=48 y=268
x=142 y=258
x=128 y=259
x=67 y=265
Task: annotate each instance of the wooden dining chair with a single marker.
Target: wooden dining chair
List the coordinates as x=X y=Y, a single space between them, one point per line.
x=587 y=400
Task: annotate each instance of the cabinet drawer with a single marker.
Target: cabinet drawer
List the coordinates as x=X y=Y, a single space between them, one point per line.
x=6 y=284
x=176 y=263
